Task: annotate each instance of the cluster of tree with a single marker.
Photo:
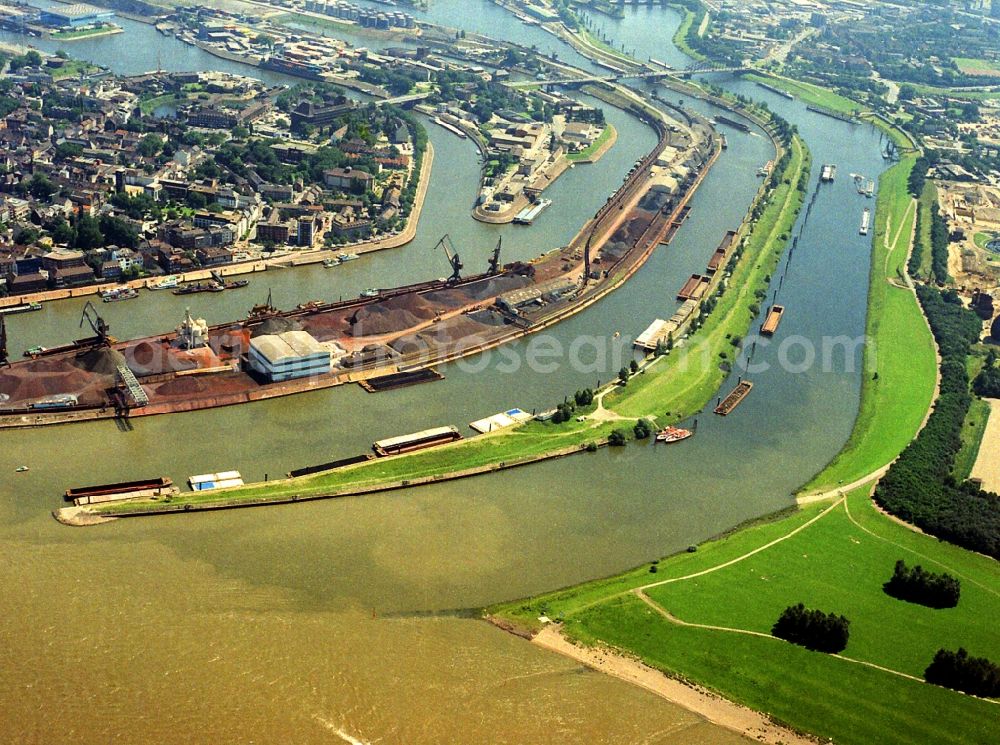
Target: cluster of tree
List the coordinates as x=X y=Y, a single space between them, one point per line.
x=138 y=206
x=618 y=438
x=918 y=176
x=812 y=629
x=957 y=670
x=29 y=59
x=919 y=486
x=627 y=372
x=915 y=585
x=987 y=383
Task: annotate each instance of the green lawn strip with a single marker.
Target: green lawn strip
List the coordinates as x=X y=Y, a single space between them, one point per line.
x=810 y=691
x=893 y=405
x=285 y=19
x=569 y=601
x=809 y=93
x=928 y=198
x=530 y=440
x=682 y=382
x=603 y=46
x=593 y=147
x=970 y=95
x=982 y=239
x=681 y=34
x=979 y=65
x=836 y=566
x=972 y=437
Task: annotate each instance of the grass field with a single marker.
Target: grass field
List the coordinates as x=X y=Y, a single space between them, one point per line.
x=587 y=152
x=809 y=93
x=972 y=66
x=982 y=239
x=837 y=562
x=901 y=351
x=684 y=381
x=681 y=35
x=972 y=438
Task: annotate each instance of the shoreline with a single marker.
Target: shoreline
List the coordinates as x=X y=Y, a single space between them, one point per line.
x=710 y=706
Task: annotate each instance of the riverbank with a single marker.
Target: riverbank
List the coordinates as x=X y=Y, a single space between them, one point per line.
x=597 y=149
x=834 y=556
x=533 y=439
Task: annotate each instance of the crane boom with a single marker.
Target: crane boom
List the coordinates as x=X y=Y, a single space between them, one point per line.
x=4 y=360
x=97 y=323
x=453 y=259
x=495 y=260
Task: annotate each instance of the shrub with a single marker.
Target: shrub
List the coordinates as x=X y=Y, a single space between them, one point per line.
x=643 y=429
x=617 y=438
x=958 y=671
x=812 y=629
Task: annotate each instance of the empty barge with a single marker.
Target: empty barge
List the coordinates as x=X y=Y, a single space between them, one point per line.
x=695 y=288
x=427 y=438
x=774 y=316
x=734 y=399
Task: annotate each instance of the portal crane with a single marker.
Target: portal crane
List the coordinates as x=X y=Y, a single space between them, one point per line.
x=495 y=260
x=90 y=315
x=452 y=254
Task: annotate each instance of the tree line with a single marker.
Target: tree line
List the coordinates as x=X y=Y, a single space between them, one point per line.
x=919 y=486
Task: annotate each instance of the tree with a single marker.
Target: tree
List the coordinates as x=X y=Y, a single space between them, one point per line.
x=926 y=588
x=40 y=186
x=25 y=235
x=633 y=367
x=617 y=438
x=956 y=670
x=33 y=58
x=149 y=146
x=584 y=397
x=812 y=629
x=119 y=232
x=643 y=429
x=995 y=329
x=88 y=233
x=60 y=231
x=624 y=375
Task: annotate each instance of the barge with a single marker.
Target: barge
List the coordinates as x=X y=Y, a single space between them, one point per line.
x=427 y=438
x=528 y=214
x=770 y=324
x=866 y=217
x=734 y=399
x=741 y=126
x=777 y=90
x=721 y=253
x=11 y=310
x=828 y=174
x=695 y=288
x=115 y=492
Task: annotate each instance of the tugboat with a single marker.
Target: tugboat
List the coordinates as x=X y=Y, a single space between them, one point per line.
x=370 y=292
x=330 y=263
x=119 y=294
x=21 y=469
x=347 y=257
x=671 y=435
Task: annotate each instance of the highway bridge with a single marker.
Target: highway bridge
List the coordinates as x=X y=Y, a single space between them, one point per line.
x=400 y=100
x=645 y=74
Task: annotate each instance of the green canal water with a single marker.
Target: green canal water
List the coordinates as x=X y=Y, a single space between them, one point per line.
x=344 y=619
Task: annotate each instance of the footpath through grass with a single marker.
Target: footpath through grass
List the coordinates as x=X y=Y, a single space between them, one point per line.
x=837 y=562
x=900 y=363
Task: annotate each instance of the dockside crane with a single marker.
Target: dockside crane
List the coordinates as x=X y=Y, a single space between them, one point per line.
x=495 y=260
x=98 y=324
x=453 y=259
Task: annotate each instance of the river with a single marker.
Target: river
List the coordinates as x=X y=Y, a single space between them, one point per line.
x=294 y=623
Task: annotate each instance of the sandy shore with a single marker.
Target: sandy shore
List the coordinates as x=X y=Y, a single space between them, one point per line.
x=987 y=465
x=715 y=709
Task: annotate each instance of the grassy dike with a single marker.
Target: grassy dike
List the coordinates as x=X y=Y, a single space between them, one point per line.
x=900 y=361
x=536 y=440
x=722 y=600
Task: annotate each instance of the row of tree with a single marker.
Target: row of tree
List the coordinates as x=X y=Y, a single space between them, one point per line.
x=916 y=585
x=813 y=629
x=919 y=487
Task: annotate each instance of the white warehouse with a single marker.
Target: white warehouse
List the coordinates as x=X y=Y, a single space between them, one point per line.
x=292 y=354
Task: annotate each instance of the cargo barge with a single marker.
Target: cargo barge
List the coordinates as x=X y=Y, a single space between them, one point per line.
x=401 y=380
x=102 y=493
x=741 y=126
x=774 y=316
x=695 y=288
x=828 y=174
x=866 y=217
x=422 y=440
x=11 y=310
x=721 y=253
x=777 y=90
x=734 y=399
x=528 y=214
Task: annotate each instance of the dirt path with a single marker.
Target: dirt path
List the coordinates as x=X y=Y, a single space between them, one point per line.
x=987 y=465
x=715 y=709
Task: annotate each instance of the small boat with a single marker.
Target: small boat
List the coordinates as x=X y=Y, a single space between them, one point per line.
x=21 y=469
x=167 y=283
x=370 y=292
x=199 y=287
x=330 y=263
x=35 y=351
x=347 y=257
x=673 y=434
x=117 y=295
x=236 y=284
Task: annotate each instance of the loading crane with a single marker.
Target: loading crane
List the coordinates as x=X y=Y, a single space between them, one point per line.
x=495 y=260
x=453 y=259
x=101 y=337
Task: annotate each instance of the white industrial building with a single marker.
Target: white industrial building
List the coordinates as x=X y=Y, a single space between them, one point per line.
x=292 y=354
